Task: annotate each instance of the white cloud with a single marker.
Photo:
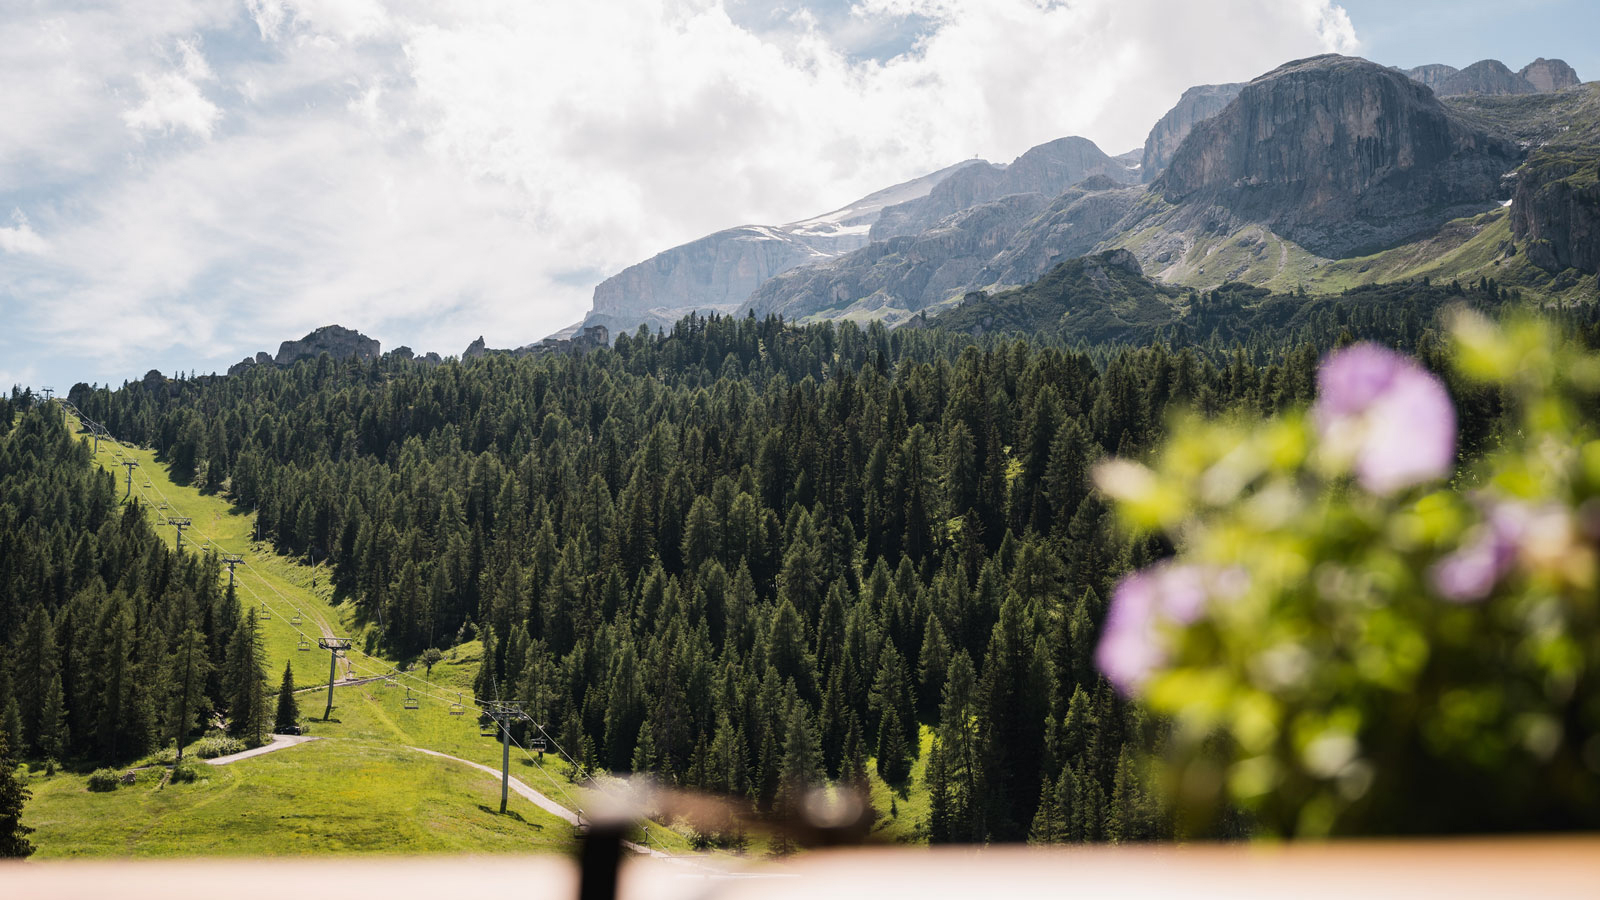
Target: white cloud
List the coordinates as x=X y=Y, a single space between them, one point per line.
x=173 y=99
x=21 y=238
x=428 y=172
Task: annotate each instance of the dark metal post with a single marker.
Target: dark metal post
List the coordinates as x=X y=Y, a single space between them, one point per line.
x=505 y=762
x=333 y=646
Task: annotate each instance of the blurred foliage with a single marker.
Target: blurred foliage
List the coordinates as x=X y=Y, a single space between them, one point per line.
x=1418 y=662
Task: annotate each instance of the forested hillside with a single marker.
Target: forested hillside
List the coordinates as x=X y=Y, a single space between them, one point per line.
x=116 y=644
x=746 y=554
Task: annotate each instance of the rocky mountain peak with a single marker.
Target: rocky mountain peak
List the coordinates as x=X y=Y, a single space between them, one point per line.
x=1048 y=169
x=1339 y=154
x=337 y=341
x=1549 y=75
x=1486 y=76
x=1196 y=105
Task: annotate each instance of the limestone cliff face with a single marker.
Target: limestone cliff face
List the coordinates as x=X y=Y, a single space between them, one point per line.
x=1550 y=75
x=717 y=272
x=1433 y=74
x=1341 y=155
x=1047 y=169
x=1195 y=106
x=1071 y=226
x=906 y=272
x=335 y=340
x=1556 y=209
x=1008 y=241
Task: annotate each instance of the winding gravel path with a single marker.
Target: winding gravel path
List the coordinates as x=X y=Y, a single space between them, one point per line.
x=279 y=742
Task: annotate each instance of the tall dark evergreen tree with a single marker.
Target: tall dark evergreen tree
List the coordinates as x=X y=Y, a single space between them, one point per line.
x=14 y=796
x=287 y=715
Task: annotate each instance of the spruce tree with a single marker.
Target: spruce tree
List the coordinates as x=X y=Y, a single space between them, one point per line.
x=288 y=713
x=245 y=682
x=14 y=795
x=53 y=733
x=894 y=764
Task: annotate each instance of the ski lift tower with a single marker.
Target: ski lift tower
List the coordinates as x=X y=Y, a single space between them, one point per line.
x=333 y=645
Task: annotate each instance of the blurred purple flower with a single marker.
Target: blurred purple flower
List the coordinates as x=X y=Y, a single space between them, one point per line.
x=1470 y=573
x=1390 y=414
x=1130 y=647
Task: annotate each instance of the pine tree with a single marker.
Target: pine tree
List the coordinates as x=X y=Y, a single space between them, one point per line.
x=288 y=713
x=187 y=668
x=14 y=795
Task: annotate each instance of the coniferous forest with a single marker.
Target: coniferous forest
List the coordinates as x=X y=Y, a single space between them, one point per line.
x=739 y=556
x=120 y=645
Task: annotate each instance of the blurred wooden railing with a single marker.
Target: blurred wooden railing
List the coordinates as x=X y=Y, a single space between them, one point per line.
x=1542 y=867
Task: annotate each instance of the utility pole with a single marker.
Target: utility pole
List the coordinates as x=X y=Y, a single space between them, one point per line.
x=230 y=560
x=130 y=465
x=180 y=523
x=333 y=646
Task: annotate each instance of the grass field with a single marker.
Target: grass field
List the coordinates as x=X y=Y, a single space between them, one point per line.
x=322 y=797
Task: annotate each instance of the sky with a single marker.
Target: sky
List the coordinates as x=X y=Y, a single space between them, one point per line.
x=185 y=183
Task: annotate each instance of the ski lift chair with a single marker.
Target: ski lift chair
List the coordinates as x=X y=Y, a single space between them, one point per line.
x=265 y=613
x=457 y=708
x=304 y=644
x=411 y=702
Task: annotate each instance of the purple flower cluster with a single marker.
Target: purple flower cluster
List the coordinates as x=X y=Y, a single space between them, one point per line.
x=1392 y=416
x=1130 y=647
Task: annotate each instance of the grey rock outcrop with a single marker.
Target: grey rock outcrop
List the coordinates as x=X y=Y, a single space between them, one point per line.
x=1340 y=155
x=1550 y=75
x=1556 y=210
x=1195 y=106
x=338 y=342
x=1047 y=169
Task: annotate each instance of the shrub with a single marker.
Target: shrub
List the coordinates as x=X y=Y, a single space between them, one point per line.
x=217 y=745
x=184 y=773
x=104 y=780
